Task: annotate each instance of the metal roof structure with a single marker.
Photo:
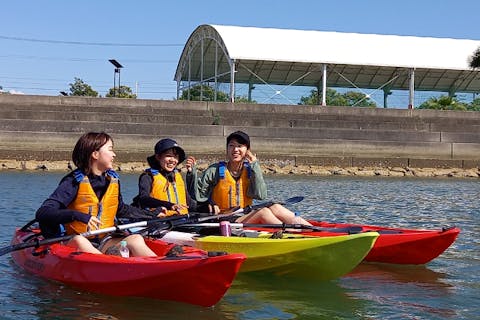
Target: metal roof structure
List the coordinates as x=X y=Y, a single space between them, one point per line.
x=232 y=54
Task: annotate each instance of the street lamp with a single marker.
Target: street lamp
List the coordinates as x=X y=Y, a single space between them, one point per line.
x=118 y=66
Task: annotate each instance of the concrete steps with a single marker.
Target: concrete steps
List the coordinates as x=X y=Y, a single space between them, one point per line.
x=38 y=126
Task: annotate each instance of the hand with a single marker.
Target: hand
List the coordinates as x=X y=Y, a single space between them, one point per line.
x=179 y=207
x=213 y=209
x=93 y=224
x=162 y=213
x=190 y=163
x=250 y=157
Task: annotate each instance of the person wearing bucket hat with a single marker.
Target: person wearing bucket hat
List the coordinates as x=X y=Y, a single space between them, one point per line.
x=236 y=182
x=161 y=187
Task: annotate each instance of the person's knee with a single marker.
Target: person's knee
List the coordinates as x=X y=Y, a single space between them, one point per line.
x=135 y=239
x=79 y=240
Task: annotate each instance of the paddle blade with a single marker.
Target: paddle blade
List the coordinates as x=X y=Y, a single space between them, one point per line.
x=293 y=200
x=6 y=250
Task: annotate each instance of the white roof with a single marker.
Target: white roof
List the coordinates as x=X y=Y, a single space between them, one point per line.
x=369 y=59
x=346 y=48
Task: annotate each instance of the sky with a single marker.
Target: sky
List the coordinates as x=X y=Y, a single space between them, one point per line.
x=45 y=45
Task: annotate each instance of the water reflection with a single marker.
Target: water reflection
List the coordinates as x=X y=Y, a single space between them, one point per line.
x=43 y=299
x=290 y=297
x=385 y=273
x=405 y=291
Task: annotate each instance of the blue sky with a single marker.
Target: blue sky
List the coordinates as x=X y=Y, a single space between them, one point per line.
x=35 y=57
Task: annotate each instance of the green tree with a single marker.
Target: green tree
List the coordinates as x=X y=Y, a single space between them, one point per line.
x=475 y=59
x=121 y=92
x=334 y=98
x=358 y=99
x=80 y=88
x=443 y=103
x=207 y=92
x=243 y=99
x=475 y=105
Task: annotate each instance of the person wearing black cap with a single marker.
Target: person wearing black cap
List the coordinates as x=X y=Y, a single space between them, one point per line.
x=236 y=182
x=161 y=187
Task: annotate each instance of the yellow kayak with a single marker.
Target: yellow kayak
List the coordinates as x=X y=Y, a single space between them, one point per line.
x=325 y=257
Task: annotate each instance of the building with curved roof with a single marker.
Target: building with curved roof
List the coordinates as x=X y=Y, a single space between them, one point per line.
x=216 y=54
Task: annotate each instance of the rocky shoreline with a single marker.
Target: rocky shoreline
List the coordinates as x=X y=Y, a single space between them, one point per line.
x=268 y=168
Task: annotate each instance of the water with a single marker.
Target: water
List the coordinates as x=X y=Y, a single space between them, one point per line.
x=446 y=288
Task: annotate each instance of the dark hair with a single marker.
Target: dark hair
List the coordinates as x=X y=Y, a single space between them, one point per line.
x=241 y=137
x=85 y=146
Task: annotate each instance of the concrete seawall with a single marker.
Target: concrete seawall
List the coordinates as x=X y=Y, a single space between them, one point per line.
x=44 y=129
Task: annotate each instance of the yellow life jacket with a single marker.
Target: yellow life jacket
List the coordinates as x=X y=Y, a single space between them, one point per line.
x=87 y=202
x=173 y=192
x=228 y=192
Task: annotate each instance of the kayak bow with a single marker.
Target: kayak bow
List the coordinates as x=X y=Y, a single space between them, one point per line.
x=194 y=277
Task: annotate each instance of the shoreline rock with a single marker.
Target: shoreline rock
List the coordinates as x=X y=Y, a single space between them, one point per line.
x=270 y=168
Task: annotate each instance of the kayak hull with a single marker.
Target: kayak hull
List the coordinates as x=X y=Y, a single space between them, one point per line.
x=325 y=257
x=192 y=277
x=400 y=245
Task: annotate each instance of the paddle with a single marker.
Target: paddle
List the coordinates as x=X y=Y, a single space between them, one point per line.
x=349 y=230
x=167 y=223
x=196 y=217
x=249 y=209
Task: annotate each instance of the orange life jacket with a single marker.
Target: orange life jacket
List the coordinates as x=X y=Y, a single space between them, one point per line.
x=173 y=192
x=228 y=192
x=87 y=202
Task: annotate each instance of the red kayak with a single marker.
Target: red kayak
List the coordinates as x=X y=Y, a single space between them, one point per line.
x=194 y=276
x=397 y=245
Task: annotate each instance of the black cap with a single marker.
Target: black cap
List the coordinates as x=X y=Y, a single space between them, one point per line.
x=164 y=145
x=241 y=137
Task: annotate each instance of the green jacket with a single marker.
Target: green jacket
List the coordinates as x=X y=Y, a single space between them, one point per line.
x=201 y=188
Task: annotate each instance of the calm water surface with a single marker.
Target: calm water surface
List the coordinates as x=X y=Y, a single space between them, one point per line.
x=446 y=288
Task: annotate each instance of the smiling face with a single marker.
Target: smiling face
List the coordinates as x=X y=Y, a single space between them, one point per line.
x=168 y=160
x=236 y=151
x=102 y=159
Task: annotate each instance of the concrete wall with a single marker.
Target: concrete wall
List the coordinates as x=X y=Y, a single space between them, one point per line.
x=46 y=128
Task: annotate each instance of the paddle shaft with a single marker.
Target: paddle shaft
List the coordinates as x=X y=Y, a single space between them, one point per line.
x=249 y=209
x=162 y=223
x=279 y=226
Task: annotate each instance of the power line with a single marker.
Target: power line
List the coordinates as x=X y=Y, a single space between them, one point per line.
x=73 y=59
x=105 y=44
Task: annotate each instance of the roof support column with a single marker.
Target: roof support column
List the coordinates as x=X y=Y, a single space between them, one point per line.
x=216 y=72
x=411 y=91
x=189 y=76
x=178 y=89
x=250 y=88
x=386 y=93
x=232 y=81
x=324 y=85
x=201 y=70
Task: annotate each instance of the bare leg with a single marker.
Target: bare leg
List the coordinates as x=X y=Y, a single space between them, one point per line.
x=82 y=244
x=264 y=215
x=137 y=246
x=287 y=216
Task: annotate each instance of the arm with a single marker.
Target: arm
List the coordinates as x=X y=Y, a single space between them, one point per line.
x=133 y=213
x=144 y=199
x=205 y=184
x=54 y=211
x=257 y=188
